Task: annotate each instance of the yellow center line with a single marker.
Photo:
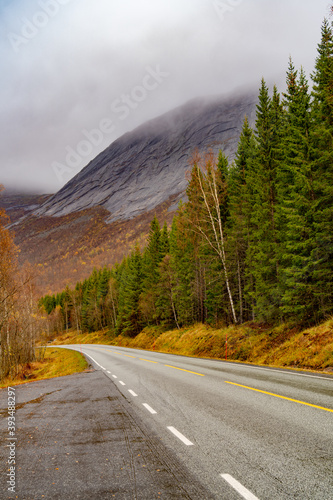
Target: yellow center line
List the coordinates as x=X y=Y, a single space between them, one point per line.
x=183 y=370
x=103 y=349
x=149 y=361
x=281 y=397
x=115 y=352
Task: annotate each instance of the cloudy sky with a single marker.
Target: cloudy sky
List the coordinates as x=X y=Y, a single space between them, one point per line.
x=77 y=74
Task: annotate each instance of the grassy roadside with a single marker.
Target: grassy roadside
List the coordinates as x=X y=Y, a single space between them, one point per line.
x=282 y=346
x=56 y=363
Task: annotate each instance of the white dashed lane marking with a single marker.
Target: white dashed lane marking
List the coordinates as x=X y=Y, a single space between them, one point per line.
x=245 y=493
x=149 y=408
x=236 y=485
x=180 y=436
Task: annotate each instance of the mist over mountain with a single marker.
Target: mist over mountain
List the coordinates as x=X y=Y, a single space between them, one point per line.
x=97 y=217
x=147 y=166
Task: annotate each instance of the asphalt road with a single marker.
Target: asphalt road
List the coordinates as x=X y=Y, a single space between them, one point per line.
x=242 y=431
x=77 y=437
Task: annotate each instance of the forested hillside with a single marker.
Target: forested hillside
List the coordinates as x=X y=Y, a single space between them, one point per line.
x=21 y=323
x=254 y=240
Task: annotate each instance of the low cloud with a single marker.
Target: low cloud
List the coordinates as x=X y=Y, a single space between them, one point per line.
x=66 y=62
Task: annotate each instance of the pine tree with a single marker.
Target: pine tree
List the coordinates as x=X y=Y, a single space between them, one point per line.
x=129 y=321
x=323 y=82
x=223 y=174
x=152 y=256
x=102 y=293
x=103 y=282
x=296 y=200
x=183 y=245
x=263 y=250
x=166 y=296
x=84 y=310
x=322 y=151
x=77 y=297
x=241 y=203
x=164 y=241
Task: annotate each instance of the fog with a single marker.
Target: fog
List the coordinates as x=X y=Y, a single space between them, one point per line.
x=77 y=74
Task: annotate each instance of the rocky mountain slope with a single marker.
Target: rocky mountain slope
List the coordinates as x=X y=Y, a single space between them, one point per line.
x=18 y=205
x=143 y=168
x=97 y=217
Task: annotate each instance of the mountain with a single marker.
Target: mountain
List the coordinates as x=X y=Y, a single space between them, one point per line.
x=143 y=168
x=97 y=217
x=18 y=205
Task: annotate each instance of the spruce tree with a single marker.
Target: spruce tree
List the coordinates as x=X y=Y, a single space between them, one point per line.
x=223 y=174
x=262 y=254
x=152 y=256
x=129 y=321
x=322 y=151
x=102 y=293
x=239 y=232
x=183 y=243
x=296 y=200
x=164 y=242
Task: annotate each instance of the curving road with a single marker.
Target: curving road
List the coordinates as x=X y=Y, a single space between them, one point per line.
x=244 y=431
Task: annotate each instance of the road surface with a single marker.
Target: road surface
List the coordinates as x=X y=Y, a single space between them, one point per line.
x=243 y=431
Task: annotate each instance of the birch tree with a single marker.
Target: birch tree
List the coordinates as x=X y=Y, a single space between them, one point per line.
x=208 y=210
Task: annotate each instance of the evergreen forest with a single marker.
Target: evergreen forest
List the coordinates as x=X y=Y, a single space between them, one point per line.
x=253 y=241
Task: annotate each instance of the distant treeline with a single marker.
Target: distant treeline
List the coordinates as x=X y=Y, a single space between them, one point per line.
x=254 y=240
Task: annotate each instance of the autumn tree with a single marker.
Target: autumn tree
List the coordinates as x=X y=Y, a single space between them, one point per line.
x=19 y=321
x=207 y=193
x=8 y=289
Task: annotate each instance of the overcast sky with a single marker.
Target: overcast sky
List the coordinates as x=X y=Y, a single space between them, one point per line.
x=77 y=74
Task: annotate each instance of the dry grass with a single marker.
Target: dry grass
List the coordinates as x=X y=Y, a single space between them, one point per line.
x=282 y=346
x=56 y=363
x=73 y=337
